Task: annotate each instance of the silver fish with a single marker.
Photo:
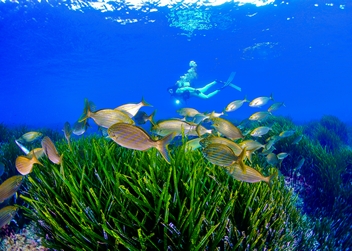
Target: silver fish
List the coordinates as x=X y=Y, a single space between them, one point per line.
x=226 y=128
x=297 y=139
x=251 y=145
x=286 y=134
x=193 y=144
x=165 y=127
x=260 y=131
x=260 y=101
x=260 y=116
x=282 y=155
x=132 y=109
x=272 y=159
x=188 y=112
x=234 y=105
x=275 y=106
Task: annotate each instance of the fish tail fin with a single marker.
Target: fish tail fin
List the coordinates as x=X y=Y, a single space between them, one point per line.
x=151 y=117
x=199 y=133
x=224 y=111
x=61 y=159
x=162 y=146
x=86 y=111
x=35 y=159
x=69 y=144
x=241 y=158
x=245 y=99
x=145 y=103
x=271 y=97
x=270 y=179
x=249 y=155
x=212 y=116
x=24 y=165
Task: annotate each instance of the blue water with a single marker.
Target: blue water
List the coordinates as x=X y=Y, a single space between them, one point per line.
x=55 y=54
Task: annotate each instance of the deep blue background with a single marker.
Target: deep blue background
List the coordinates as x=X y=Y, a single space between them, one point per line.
x=51 y=58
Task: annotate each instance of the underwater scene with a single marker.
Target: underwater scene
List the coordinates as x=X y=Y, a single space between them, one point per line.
x=176 y=125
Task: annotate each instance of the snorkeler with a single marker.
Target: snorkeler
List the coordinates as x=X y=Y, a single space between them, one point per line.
x=183 y=88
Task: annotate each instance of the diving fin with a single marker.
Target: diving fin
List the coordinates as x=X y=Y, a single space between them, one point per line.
x=231 y=77
x=236 y=87
x=229 y=80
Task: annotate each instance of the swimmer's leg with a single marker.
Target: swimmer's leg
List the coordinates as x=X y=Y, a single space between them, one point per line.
x=206 y=96
x=205 y=88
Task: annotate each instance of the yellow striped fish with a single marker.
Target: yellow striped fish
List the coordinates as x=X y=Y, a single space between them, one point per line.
x=251 y=175
x=107 y=117
x=134 y=137
x=30 y=137
x=10 y=186
x=220 y=140
x=50 y=150
x=6 y=215
x=219 y=154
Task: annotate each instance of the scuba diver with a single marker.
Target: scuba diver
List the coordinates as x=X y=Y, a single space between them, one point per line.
x=183 y=88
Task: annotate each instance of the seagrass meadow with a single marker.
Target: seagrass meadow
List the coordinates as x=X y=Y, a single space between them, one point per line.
x=106 y=197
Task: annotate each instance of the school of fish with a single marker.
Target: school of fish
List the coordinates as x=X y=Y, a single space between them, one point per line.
x=221 y=141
